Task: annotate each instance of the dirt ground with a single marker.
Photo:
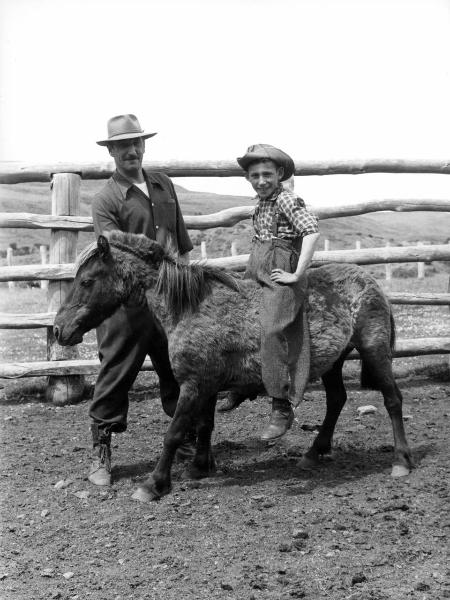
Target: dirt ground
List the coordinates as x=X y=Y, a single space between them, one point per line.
x=262 y=528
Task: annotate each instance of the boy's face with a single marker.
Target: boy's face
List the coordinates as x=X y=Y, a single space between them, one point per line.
x=265 y=177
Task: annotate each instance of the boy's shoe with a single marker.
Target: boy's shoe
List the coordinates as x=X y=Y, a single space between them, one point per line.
x=281 y=419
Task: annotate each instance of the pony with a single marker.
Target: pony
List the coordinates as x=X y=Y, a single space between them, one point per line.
x=211 y=320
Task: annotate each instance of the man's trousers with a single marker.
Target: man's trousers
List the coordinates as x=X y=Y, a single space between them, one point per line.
x=124 y=340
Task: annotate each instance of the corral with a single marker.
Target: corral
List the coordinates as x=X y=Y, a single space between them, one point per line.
x=261 y=528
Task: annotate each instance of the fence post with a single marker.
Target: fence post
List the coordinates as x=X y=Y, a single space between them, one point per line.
x=9 y=262
x=203 y=250
x=420 y=266
x=358 y=244
x=234 y=251
x=43 y=251
x=388 y=267
x=326 y=245
x=63 y=246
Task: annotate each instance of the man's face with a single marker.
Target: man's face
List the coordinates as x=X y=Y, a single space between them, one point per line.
x=265 y=177
x=128 y=155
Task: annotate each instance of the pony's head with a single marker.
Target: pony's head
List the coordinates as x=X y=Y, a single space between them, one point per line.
x=108 y=273
x=117 y=269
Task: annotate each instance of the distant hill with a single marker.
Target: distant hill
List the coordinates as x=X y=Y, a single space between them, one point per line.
x=36 y=198
x=371 y=230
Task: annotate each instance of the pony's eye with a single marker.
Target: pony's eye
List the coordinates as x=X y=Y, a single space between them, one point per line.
x=86 y=283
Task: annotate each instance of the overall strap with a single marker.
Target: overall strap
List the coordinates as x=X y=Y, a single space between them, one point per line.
x=276 y=214
x=296 y=242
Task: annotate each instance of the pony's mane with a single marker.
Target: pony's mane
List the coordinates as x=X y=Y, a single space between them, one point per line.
x=90 y=250
x=185 y=286
x=182 y=286
x=141 y=246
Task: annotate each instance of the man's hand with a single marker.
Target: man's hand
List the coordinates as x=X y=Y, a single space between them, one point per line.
x=283 y=277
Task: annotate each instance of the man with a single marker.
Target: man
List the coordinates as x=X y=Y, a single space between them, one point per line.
x=143 y=202
x=282 y=248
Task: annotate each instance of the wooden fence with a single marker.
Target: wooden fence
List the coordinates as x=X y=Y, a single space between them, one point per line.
x=63 y=367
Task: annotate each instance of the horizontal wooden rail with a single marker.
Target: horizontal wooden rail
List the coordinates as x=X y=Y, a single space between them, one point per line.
x=332 y=211
x=36 y=221
x=36 y=272
x=366 y=256
x=39 y=320
x=26 y=320
x=230 y=216
x=16 y=172
x=404 y=348
x=422 y=298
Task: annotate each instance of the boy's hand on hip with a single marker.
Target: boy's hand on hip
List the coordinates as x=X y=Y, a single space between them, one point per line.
x=283 y=277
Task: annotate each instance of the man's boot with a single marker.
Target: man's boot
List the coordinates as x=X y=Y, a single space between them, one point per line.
x=100 y=471
x=281 y=419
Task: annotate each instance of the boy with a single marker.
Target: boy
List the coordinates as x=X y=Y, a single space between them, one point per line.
x=286 y=234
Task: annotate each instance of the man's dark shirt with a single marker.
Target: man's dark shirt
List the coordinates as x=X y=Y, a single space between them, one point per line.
x=121 y=205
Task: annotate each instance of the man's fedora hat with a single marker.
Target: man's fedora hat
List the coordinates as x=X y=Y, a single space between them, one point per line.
x=268 y=152
x=124 y=127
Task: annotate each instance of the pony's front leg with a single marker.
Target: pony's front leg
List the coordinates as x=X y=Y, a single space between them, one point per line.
x=203 y=464
x=159 y=482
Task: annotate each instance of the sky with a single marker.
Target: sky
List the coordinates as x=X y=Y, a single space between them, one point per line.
x=322 y=79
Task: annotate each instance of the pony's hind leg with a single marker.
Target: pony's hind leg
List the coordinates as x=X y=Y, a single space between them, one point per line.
x=159 y=482
x=377 y=366
x=203 y=464
x=336 y=398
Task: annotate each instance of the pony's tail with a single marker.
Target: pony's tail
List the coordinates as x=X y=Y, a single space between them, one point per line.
x=368 y=380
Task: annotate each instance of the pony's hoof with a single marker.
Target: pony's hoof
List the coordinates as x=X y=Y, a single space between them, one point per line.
x=399 y=471
x=149 y=491
x=143 y=495
x=308 y=463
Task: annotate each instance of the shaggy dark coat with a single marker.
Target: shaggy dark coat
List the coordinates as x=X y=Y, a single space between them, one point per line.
x=212 y=323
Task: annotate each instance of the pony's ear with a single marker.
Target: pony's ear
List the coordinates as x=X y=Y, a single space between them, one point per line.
x=103 y=247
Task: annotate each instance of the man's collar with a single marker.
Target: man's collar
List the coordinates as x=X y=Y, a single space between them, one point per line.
x=124 y=183
x=153 y=180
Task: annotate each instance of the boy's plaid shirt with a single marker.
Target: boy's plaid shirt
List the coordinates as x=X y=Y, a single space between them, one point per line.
x=293 y=218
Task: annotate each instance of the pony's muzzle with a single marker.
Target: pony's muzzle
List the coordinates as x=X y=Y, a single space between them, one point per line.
x=67 y=336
